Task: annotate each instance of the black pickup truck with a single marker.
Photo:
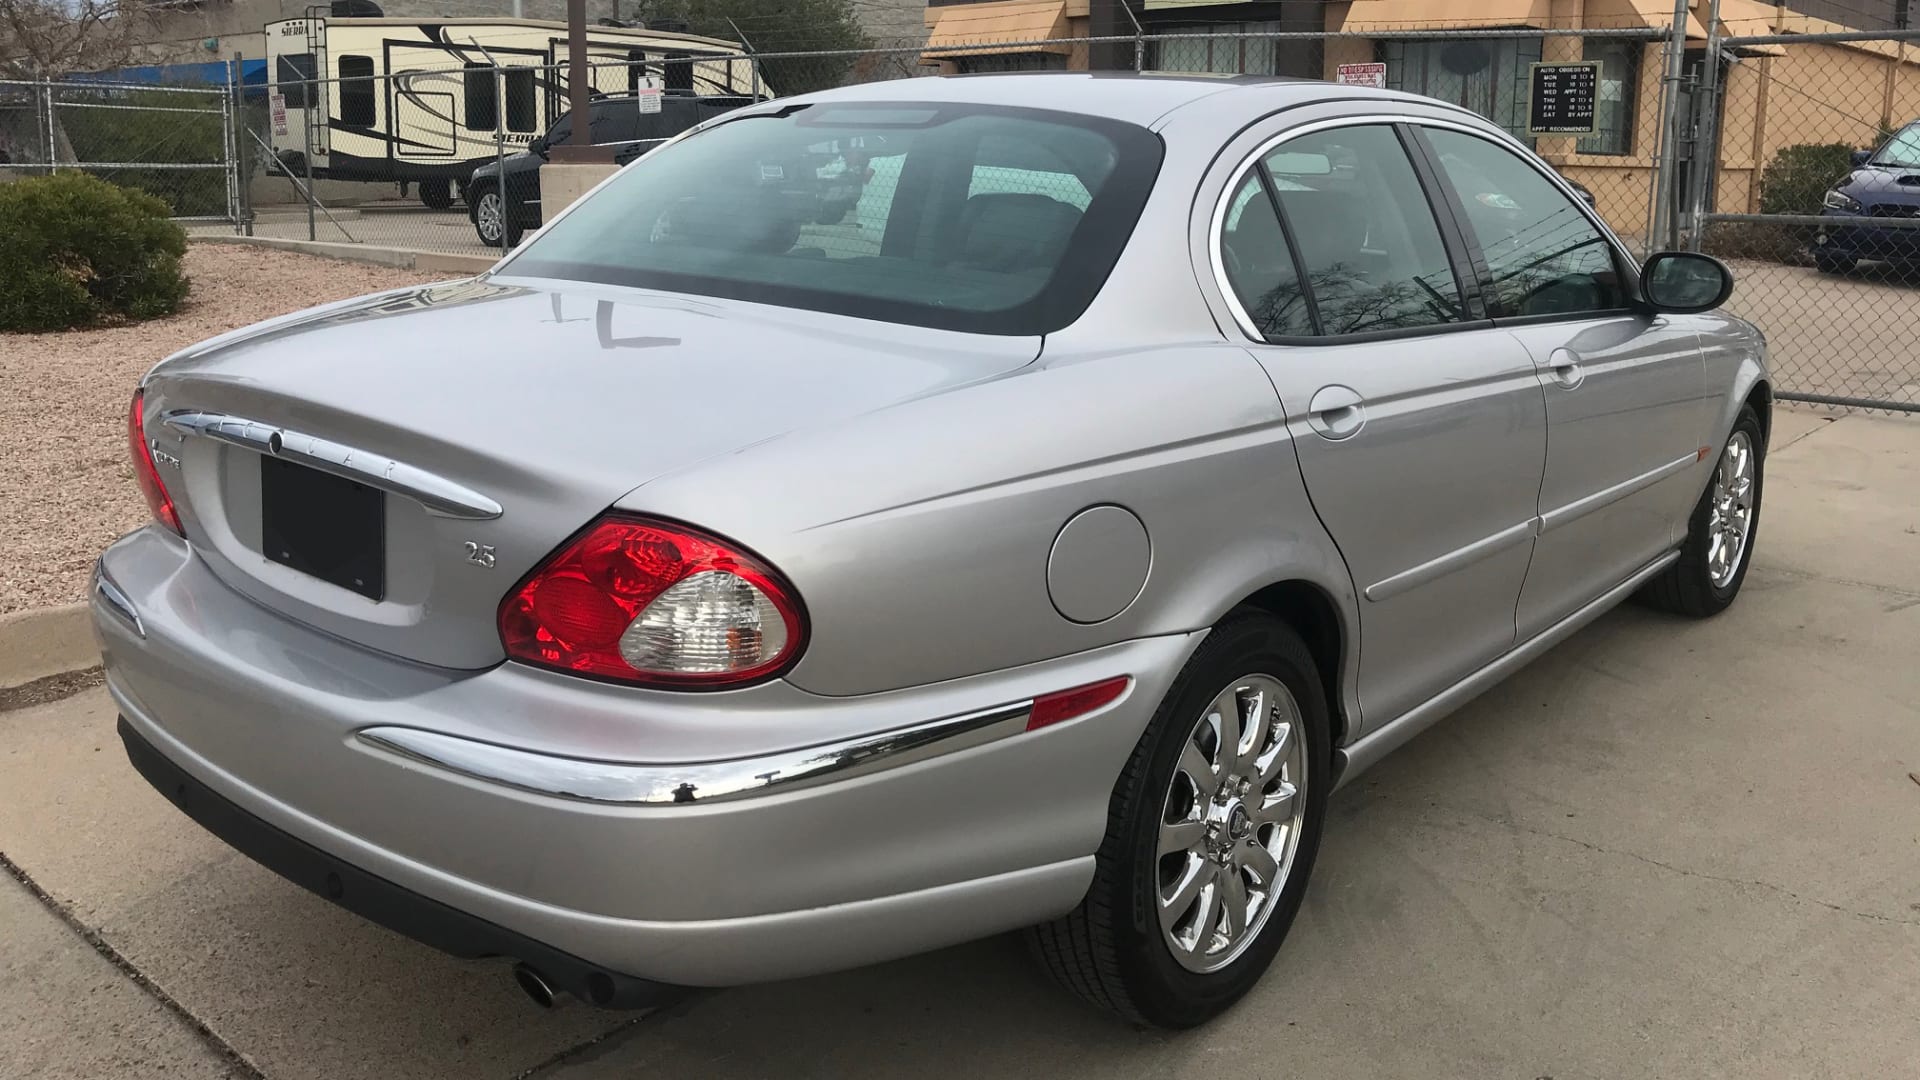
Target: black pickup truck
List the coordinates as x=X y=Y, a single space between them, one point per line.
x=615 y=121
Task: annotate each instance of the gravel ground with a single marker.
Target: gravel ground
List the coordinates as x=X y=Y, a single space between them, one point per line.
x=67 y=490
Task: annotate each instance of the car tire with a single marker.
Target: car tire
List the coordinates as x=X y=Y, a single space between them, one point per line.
x=436 y=194
x=1115 y=950
x=1703 y=582
x=488 y=213
x=1834 y=264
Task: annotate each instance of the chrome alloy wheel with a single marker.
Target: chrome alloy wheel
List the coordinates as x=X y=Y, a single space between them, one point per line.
x=1231 y=822
x=1730 y=516
x=488 y=217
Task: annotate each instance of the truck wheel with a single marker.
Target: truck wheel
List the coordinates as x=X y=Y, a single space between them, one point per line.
x=436 y=194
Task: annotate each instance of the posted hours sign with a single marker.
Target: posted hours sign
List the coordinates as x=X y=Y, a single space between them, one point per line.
x=1560 y=98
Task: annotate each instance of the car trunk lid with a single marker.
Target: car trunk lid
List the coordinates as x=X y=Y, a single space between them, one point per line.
x=494 y=421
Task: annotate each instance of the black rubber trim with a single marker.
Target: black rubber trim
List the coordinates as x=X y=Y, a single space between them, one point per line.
x=378 y=900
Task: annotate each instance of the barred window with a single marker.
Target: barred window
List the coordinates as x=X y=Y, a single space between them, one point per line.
x=1218 y=51
x=1487 y=75
x=1614 y=112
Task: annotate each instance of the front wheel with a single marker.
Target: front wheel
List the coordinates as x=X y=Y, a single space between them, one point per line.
x=490 y=220
x=1211 y=834
x=1833 y=262
x=1720 y=534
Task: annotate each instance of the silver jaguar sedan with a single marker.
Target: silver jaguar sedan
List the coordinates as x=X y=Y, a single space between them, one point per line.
x=902 y=514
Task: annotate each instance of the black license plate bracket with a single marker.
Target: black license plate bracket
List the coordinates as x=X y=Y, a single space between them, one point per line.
x=325 y=526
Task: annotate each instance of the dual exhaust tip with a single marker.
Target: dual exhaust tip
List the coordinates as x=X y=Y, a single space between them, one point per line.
x=541 y=991
x=534 y=985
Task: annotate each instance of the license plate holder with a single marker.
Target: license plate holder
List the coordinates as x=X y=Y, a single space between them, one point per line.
x=324 y=526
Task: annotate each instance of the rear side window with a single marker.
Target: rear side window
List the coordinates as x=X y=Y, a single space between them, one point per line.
x=294 y=76
x=991 y=220
x=1544 y=255
x=357 y=91
x=1259 y=265
x=1363 y=235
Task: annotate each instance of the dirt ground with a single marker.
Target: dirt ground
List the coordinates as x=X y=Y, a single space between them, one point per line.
x=68 y=490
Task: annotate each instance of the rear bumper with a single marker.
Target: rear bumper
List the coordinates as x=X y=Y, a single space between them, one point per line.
x=833 y=871
x=376 y=899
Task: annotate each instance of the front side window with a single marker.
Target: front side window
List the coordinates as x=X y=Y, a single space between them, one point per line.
x=1613 y=108
x=1366 y=236
x=963 y=217
x=1544 y=255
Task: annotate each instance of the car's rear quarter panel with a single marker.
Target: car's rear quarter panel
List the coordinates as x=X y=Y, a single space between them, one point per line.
x=918 y=537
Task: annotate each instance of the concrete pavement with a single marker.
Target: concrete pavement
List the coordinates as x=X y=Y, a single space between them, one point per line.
x=1665 y=849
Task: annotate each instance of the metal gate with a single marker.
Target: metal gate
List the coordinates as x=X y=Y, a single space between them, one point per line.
x=174 y=143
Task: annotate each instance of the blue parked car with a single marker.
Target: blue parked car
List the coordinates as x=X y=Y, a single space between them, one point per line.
x=1883 y=187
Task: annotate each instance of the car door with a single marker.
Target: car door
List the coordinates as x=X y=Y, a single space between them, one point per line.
x=1625 y=390
x=1419 y=426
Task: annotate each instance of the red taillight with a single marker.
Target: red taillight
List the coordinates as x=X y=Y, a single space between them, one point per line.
x=145 y=471
x=1067 y=704
x=651 y=602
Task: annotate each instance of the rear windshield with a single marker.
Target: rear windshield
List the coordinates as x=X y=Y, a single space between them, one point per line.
x=999 y=221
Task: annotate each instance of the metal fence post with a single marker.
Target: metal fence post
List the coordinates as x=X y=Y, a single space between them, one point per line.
x=1668 y=167
x=306 y=156
x=1706 y=148
x=53 y=136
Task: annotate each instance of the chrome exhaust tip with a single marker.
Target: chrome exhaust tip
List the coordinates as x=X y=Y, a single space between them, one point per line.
x=534 y=985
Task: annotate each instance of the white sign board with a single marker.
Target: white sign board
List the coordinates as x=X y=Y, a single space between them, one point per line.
x=277 y=105
x=1374 y=75
x=649 y=93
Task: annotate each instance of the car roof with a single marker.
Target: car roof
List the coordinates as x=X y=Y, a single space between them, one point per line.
x=1140 y=97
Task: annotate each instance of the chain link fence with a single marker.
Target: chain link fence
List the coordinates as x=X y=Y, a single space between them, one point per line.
x=174 y=143
x=1814 y=198
x=1787 y=155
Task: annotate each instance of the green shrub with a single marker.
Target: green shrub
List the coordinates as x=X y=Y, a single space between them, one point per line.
x=78 y=251
x=149 y=126
x=1797 y=179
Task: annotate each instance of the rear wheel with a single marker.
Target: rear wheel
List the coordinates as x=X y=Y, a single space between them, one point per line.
x=1720 y=534
x=1833 y=262
x=436 y=194
x=1211 y=834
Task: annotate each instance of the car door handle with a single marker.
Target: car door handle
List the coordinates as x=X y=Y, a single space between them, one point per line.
x=1336 y=412
x=1565 y=367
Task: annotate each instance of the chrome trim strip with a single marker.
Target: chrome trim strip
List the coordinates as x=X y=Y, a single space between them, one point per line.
x=437 y=493
x=117 y=601
x=637 y=784
x=1367 y=751
x=1606 y=497
x=1435 y=569
x=1495 y=136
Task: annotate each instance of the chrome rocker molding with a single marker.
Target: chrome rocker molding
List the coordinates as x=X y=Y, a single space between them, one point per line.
x=1367 y=751
x=437 y=493
x=635 y=784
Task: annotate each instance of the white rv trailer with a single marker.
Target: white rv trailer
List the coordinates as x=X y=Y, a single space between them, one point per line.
x=417 y=100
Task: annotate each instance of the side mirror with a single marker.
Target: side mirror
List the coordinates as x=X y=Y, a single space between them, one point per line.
x=1861 y=157
x=1683 y=282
